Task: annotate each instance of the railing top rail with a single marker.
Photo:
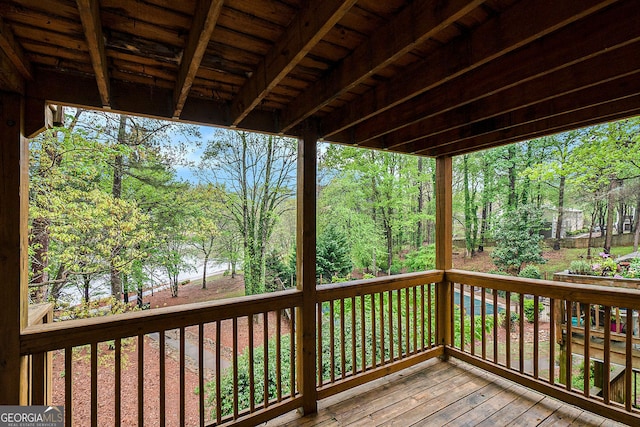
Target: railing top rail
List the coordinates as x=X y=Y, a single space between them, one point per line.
x=594 y=294
x=380 y=284
x=38 y=312
x=52 y=336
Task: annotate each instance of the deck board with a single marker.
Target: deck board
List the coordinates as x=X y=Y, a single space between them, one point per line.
x=437 y=393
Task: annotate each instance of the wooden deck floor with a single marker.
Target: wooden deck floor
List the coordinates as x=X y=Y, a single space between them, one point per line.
x=438 y=393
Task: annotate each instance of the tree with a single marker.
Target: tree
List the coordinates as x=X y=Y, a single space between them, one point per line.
x=332 y=253
x=203 y=231
x=518 y=239
x=257 y=172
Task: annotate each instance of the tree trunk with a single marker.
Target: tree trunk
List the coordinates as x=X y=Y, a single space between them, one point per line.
x=469 y=243
x=636 y=225
x=204 y=272
x=556 y=244
x=116 y=191
x=610 y=212
x=419 y=238
x=512 y=199
x=622 y=213
x=593 y=218
x=86 y=284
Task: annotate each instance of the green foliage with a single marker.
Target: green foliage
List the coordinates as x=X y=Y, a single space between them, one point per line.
x=277 y=272
x=228 y=383
x=633 y=270
x=421 y=260
x=580 y=267
x=529 y=311
x=530 y=272
x=518 y=239
x=332 y=253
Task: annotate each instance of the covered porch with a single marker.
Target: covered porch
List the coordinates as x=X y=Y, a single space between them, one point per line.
x=428 y=78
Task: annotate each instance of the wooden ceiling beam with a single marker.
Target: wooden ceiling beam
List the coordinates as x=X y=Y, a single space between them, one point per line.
x=138 y=99
x=517 y=26
x=308 y=27
x=569 y=109
x=90 y=16
x=14 y=51
x=565 y=48
x=204 y=22
x=610 y=66
x=415 y=24
x=609 y=111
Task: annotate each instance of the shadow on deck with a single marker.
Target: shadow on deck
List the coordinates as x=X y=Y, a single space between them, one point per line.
x=436 y=393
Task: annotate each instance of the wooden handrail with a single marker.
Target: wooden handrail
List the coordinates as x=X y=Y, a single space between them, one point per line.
x=72 y=333
x=356 y=288
x=627 y=298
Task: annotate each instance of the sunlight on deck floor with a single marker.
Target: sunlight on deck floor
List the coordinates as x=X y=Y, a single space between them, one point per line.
x=437 y=393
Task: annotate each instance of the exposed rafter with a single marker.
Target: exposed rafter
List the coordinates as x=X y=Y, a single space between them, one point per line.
x=415 y=24
x=616 y=65
x=204 y=22
x=90 y=17
x=616 y=109
x=14 y=51
x=309 y=26
x=521 y=24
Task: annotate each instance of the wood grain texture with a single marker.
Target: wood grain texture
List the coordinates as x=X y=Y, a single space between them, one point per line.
x=90 y=16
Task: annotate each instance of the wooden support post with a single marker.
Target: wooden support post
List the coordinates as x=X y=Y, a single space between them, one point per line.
x=14 y=163
x=306 y=271
x=444 y=241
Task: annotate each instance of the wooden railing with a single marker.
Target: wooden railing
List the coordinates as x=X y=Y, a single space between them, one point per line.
x=576 y=338
x=369 y=328
x=155 y=367
x=146 y=350
x=39 y=365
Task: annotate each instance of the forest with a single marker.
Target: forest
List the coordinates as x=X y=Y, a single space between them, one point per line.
x=111 y=209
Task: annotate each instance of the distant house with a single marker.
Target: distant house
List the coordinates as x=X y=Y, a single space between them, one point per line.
x=572 y=220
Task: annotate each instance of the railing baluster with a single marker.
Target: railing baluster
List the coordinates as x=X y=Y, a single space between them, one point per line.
x=319 y=349
x=363 y=348
x=399 y=315
x=507 y=303
x=521 y=340
x=628 y=361
x=140 y=380
x=343 y=352
x=496 y=321
x=391 y=341
x=567 y=345
x=278 y=355
x=354 y=364
x=552 y=341
x=472 y=307
x=423 y=310
x=252 y=380
x=406 y=322
x=587 y=348
x=415 y=319
x=483 y=314
x=374 y=342
x=218 y=375
x=382 y=337
x=332 y=341
x=430 y=314
x=452 y=319
x=606 y=369
x=182 y=377
x=201 y=373
x=68 y=380
x=461 y=296
x=536 y=335
x=94 y=384
x=265 y=357
x=117 y=382
x=292 y=351
x=618 y=329
x=163 y=377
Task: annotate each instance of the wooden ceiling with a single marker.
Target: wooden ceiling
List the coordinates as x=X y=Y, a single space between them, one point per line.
x=430 y=77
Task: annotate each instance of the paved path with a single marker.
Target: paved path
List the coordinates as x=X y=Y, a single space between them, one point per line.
x=191 y=351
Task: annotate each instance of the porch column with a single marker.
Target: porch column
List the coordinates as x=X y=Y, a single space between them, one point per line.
x=14 y=163
x=444 y=237
x=306 y=271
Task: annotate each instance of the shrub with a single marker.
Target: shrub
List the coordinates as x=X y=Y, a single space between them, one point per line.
x=421 y=260
x=529 y=310
x=530 y=272
x=579 y=267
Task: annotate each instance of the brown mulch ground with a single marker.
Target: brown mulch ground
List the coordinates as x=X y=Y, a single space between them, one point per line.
x=223 y=287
